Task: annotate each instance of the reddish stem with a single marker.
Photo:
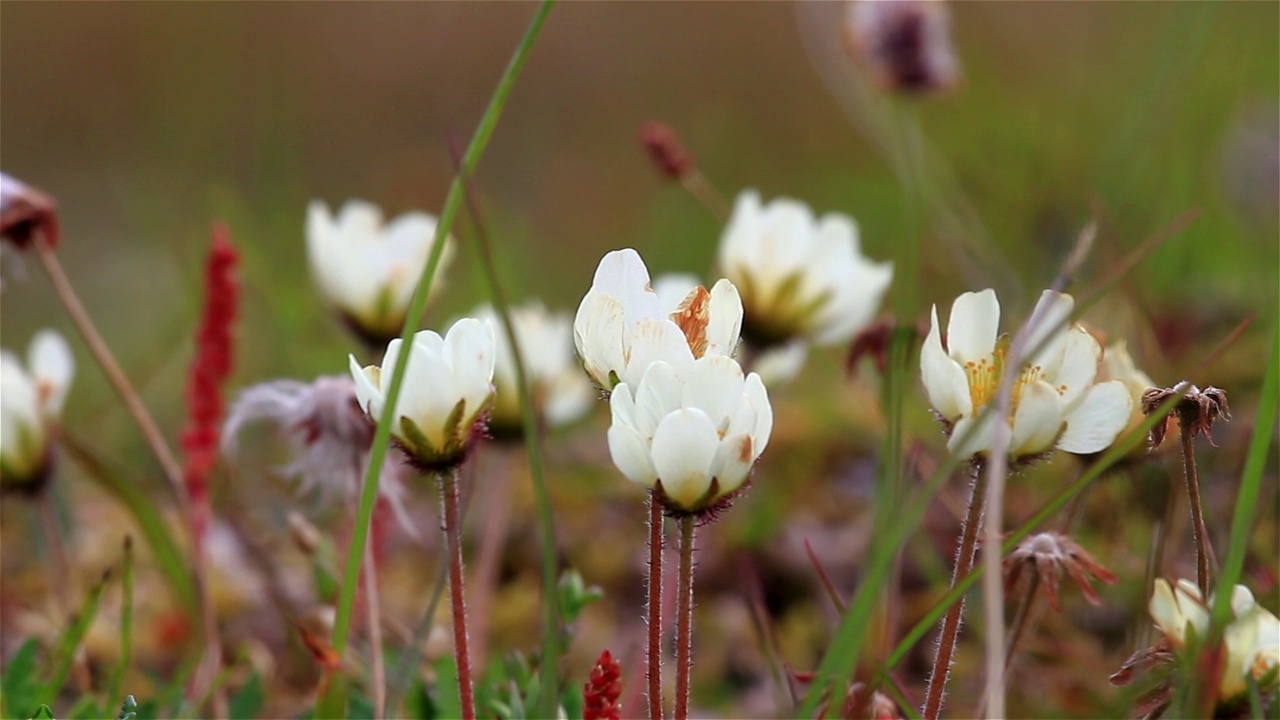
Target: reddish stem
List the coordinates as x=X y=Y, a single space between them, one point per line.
x=451 y=525
x=1199 y=533
x=951 y=623
x=684 y=618
x=653 y=649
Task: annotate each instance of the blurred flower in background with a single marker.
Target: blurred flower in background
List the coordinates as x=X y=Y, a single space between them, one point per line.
x=368 y=270
x=622 y=326
x=31 y=400
x=905 y=45
x=802 y=278
x=692 y=436
x=1118 y=364
x=1055 y=387
x=561 y=393
x=448 y=385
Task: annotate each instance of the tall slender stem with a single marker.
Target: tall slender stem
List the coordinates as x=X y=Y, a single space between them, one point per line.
x=951 y=622
x=128 y=395
x=684 y=617
x=373 y=618
x=653 y=601
x=1199 y=532
x=1017 y=629
x=451 y=525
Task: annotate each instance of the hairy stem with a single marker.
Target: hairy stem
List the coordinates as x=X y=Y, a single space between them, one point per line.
x=450 y=523
x=951 y=622
x=684 y=617
x=653 y=646
x=1199 y=532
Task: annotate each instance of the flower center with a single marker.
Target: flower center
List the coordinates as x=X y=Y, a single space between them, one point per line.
x=984 y=379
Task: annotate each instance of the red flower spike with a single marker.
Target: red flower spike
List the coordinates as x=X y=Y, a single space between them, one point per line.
x=600 y=693
x=666 y=151
x=209 y=370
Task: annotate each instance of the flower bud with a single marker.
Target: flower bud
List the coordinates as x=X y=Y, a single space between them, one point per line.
x=904 y=44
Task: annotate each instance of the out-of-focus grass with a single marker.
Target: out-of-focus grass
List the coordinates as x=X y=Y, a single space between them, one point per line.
x=147 y=121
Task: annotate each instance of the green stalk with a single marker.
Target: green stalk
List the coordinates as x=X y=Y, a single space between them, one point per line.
x=382 y=435
x=126 y=624
x=1250 y=488
x=548 y=700
x=70 y=641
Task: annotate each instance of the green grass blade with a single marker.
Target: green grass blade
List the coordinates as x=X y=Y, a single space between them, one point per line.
x=382 y=436
x=1250 y=488
x=71 y=639
x=126 y=623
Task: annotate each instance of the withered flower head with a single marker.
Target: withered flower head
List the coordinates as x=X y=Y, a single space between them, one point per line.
x=666 y=150
x=905 y=44
x=863 y=702
x=1047 y=554
x=328 y=433
x=1196 y=411
x=26 y=213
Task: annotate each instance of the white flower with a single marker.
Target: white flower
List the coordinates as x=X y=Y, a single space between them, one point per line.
x=775 y=365
x=328 y=435
x=447 y=385
x=694 y=433
x=621 y=326
x=1055 y=388
x=800 y=276
x=368 y=270
x=31 y=400
x=1117 y=364
x=561 y=393
x=1252 y=638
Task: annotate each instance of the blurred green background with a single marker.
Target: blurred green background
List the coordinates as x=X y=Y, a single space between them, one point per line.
x=148 y=121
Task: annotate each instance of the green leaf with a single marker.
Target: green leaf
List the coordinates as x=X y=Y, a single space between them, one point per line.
x=19 y=686
x=126 y=623
x=247 y=701
x=71 y=639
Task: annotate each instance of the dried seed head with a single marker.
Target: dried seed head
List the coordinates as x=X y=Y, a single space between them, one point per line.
x=863 y=703
x=26 y=213
x=601 y=692
x=1196 y=411
x=905 y=44
x=666 y=151
x=1047 y=554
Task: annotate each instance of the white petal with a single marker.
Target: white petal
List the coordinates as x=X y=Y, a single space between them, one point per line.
x=672 y=288
x=1080 y=358
x=599 y=332
x=714 y=385
x=1166 y=613
x=368 y=394
x=630 y=454
x=1097 y=418
x=469 y=348
x=732 y=463
x=972 y=327
x=52 y=366
x=972 y=436
x=740 y=241
x=1051 y=314
x=622 y=408
x=759 y=399
x=657 y=395
x=652 y=340
x=684 y=447
x=724 y=318
x=945 y=381
x=623 y=275
x=1037 y=421
x=779 y=365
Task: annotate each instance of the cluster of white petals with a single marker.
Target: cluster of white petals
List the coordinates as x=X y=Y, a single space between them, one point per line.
x=447 y=387
x=561 y=392
x=1057 y=401
x=801 y=276
x=1252 y=638
x=693 y=432
x=31 y=400
x=369 y=270
x=622 y=326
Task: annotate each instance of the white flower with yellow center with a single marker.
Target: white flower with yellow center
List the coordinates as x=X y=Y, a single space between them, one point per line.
x=31 y=400
x=1056 y=401
x=560 y=391
x=447 y=387
x=622 y=327
x=368 y=269
x=801 y=277
x=692 y=434
x=1252 y=638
